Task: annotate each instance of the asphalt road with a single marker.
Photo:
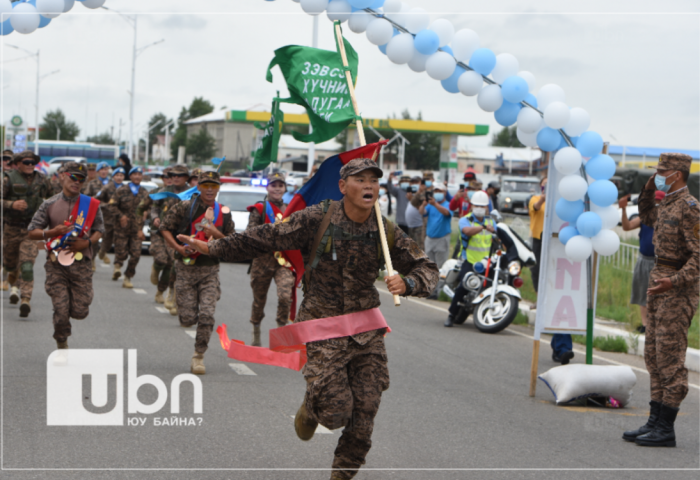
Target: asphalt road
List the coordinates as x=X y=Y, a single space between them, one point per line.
x=458 y=400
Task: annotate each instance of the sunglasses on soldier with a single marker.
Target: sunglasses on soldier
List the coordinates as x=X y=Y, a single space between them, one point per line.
x=29 y=162
x=209 y=186
x=173 y=175
x=77 y=178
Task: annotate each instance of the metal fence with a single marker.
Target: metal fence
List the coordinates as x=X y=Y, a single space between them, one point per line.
x=624 y=259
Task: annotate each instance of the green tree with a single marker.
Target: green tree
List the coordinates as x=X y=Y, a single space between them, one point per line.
x=197 y=108
x=101 y=139
x=53 y=120
x=159 y=130
x=201 y=146
x=507 y=137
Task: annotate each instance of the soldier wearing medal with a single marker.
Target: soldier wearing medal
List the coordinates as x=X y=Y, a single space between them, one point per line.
x=23 y=190
x=197 y=285
x=68 y=271
x=345 y=376
x=267 y=267
x=128 y=234
x=109 y=210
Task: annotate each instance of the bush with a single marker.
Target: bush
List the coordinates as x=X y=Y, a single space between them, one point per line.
x=604 y=344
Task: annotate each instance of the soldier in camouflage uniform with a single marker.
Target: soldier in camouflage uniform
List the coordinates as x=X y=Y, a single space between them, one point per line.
x=672 y=297
x=267 y=267
x=345 y=376
x=128 y=234
x=70 y=287
x=194 y=177
x=56 y=186
x=197 y=285
x=91 y=188
x=23 y=190
x=109 y=210
x=7 y=157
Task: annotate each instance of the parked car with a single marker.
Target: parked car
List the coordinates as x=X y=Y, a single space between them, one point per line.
x=238 y=198
x=56 y=163
x=516 y=192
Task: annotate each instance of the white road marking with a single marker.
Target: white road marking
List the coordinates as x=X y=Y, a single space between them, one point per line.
x=140 y=291
x=597 y=357
x=163 y=310
x=320 y=429
x=241 y=369
x=191 y=333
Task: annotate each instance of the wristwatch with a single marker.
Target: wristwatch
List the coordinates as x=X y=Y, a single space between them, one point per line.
x=410 y=286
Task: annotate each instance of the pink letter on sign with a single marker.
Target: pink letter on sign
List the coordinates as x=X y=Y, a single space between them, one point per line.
x=565 y=312
x=574 y=269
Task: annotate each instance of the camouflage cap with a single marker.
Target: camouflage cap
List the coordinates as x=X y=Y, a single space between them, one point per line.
x=353 y=167
x=209 y=177
x=167 y=170
x=195 y=173
x=179 y=170
x=428 y=174
x=675 y=161
x=75 y=168
x=92 y=167
x=276 y=176
x=404 y=178
x=475 y=185
x=26 y=154
x=8 y=155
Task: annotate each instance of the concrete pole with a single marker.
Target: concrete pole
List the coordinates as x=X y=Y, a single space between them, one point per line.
x=36 y=113
x=133 y=93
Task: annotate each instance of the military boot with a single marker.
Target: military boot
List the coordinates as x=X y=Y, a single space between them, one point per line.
x=256 y=335
x=341 y=476
x=105 y=258
x=655 y=408
x=173 y=307
x=127 y=282
x=663 y=434
x=159 y=297
x=62 y=345
x=197 y=366
x=173 y=311
x=94 y=267
x=304 y=426
x=154 y=275
x=14 y=296
x=169 y=299
x=25 y=308
x=117 y=272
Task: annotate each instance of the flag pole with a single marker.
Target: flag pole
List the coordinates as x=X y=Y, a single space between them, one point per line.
x=363 y=142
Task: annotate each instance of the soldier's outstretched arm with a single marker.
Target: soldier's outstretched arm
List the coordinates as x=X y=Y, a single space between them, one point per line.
x=411 y=261
x=647 y=206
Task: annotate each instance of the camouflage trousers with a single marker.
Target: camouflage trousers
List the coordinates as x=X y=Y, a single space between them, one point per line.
x=70 y=289
x=127 y=244
x=197 y=290
x=162 y=260
x=344 y=385
x=107 y=239
x=263 y=270
x=668 y=318
x=20 y=253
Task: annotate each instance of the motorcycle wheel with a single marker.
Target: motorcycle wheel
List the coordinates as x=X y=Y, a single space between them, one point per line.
x=494 y=320
x=461 y=316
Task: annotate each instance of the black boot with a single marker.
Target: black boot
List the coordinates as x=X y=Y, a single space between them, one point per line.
x=663 y=434
x=448 y=322
x=654 y=409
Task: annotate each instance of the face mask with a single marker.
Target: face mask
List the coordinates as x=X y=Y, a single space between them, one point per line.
x=290 y=188
x=660 y=183
x=404 y=185
x=428 y=183
x=382 y=192
x=439 y=197
x=414 y=188
x=479 y=211
x=470 y=194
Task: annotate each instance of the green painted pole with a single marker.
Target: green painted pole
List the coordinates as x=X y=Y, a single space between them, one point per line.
x=589 y=337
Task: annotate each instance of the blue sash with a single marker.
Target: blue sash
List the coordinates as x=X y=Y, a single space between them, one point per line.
x=104 y=181
x=134 y=188
x=270 y=214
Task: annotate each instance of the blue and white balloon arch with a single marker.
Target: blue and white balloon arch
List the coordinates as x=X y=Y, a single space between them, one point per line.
x=26 y=16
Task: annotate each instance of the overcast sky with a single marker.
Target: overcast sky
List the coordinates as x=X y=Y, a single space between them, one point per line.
x=634 y=66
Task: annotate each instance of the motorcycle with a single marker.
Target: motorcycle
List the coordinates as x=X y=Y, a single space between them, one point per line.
x=492 y=291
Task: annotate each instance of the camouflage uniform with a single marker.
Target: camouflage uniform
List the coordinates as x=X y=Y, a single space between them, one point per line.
x=345 y=376
x=676 y=223
x=127 y=244
x=262 y=271
x=109 y=212
x=18 y=250
x=92 y=188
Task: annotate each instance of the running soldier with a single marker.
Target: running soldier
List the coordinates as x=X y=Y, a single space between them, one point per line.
x=128 y=234
x=7 y=156
x=346 y=375
x=91 y=188
x=69 y=284
x=23 y=190
x=672 y=297
x=197 y=283
x=109 y=210
x=267 y=267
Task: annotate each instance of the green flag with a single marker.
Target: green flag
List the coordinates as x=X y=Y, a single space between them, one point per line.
x=267 y=149
x=316 y=80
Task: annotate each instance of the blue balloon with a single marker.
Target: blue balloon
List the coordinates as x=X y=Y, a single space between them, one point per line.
x=563 y=143
x=531 y=100
x=361 y=3
x=589 y=224
x=601 y=167
x=447 y=49
x=514 y=89
x=483 y=61
x=590 y=144
x=569 y=211
x=548 y=139
x=566 y=233
x=426 y=42
x=507 y=115
x=6 y=27
x=450 y=83
x=43 y=21
x=602 y=192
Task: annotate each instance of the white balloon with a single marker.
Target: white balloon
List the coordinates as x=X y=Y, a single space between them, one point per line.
x=470 y=83
x=5 y=7
x=556 y=115
x=529 y=121
x=579 y=248
x=506 y=66
x=573 y=187
x=93 y=3
x=578 y=123
x=444 y=29
x=417 y=62
x=608 y=215
x=527 y=139
x=25 y=19
x=417 y=20
x=490 y=98
x=338 y=10
x=358 y=21
x=529 y=78
x=606 y=242
x=401 y=17
x=400 y=48
x=464 y=43
x=314 y=7
x=68 y=5
x=379 y=31
x=392 y=6
x=440 y=65
x=548 y=94
x=50 y=8
x=567 y=160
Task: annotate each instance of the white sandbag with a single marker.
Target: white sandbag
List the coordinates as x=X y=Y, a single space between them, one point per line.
x=576 y=381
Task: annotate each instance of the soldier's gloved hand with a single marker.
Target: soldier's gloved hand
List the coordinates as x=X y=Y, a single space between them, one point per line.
x=76 y=245
x=395 y=284
x=662 y=285
x=20 y=205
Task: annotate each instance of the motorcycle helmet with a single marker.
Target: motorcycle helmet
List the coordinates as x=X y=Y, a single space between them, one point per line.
x=480 y=199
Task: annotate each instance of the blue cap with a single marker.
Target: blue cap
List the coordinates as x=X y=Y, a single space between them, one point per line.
x=136 y=170
x=102 y=165
x=118 y=170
